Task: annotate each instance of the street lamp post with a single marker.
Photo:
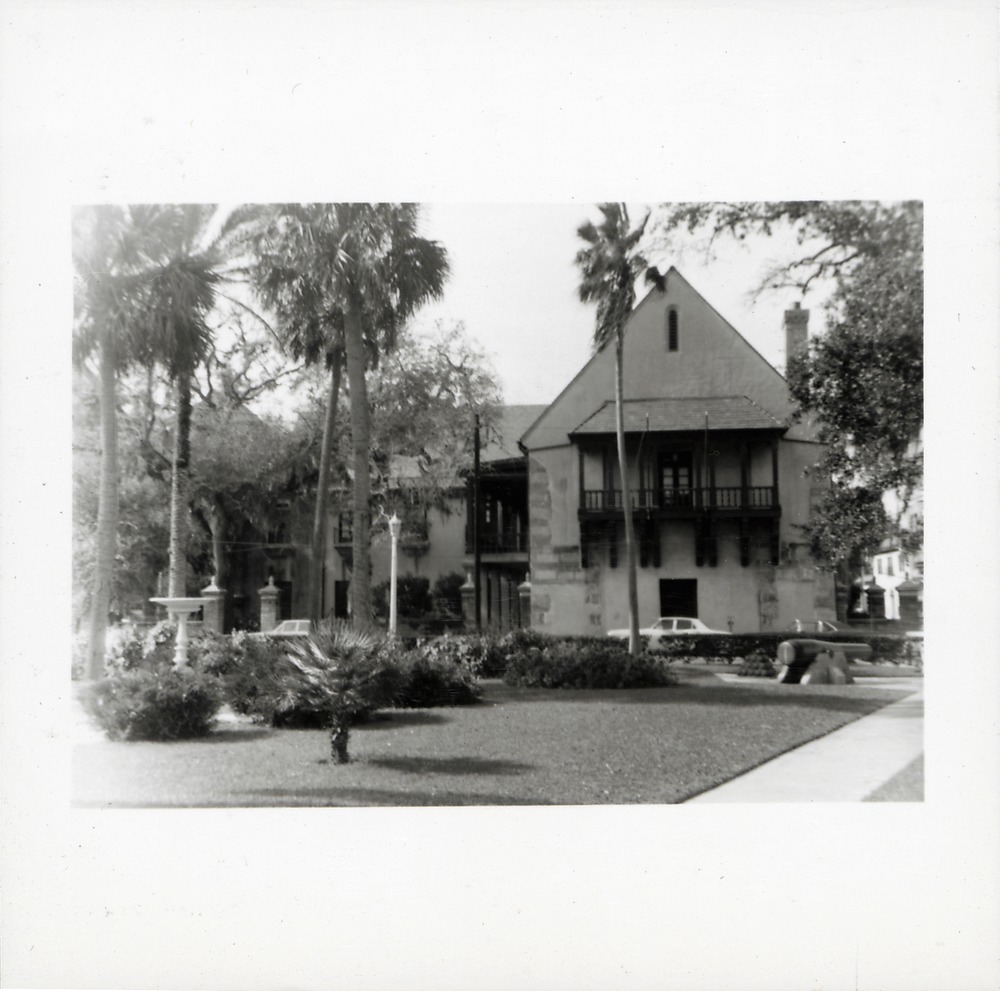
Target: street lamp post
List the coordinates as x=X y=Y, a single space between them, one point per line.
x=395 y=525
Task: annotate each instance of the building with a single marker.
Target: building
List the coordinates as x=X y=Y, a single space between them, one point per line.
x=717 y=471
x=894 y=588
x=438 y=540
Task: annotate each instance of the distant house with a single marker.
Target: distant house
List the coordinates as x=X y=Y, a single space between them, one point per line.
x=717 y=474
x=438 y=541
x=894 y=588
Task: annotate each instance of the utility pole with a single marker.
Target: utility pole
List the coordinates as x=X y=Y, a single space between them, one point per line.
x=476 y=550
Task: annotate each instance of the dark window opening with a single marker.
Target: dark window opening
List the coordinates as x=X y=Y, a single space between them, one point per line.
x=672 y=333
x=679 y=597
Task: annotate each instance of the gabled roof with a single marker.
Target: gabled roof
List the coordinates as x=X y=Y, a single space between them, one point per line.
x=501 y=443
x=682 y=414
x=713 y=359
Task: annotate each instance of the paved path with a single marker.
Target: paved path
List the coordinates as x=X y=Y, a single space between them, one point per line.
x=846 y=765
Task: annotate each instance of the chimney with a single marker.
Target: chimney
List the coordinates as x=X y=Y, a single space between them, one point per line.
x=796 y=325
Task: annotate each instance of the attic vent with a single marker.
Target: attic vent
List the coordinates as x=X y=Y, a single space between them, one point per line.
x=672 y=331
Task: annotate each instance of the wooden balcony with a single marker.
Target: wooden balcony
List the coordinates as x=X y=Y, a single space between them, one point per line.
x=735 y=500
x=498 y=543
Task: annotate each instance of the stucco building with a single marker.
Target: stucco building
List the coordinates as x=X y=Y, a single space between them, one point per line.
x=717 y=474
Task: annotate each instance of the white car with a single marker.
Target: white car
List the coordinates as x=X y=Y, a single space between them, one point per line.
x=667 y=626
x=290 y=628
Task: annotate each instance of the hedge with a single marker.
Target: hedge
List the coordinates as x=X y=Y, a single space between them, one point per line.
x=889 y=647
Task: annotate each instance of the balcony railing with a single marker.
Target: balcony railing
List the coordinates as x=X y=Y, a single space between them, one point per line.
x=498 y=543
x=721 y=497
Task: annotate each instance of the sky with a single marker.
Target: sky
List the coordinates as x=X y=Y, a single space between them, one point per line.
x=513 y=284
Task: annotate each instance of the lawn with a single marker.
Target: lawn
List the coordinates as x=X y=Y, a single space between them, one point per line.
x=519 y=747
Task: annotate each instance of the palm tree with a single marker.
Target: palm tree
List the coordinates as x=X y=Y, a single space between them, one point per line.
x=140 y=296
x=100 y=317
x=283 y=241
x=609 y=267
x=338 y=673
x=346 y=277
x=173 y=332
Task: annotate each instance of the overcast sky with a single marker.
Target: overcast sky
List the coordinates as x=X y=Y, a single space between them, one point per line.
x=514 y=285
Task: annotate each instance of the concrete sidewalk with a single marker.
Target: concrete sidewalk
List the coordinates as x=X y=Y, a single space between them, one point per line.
x=846 y=765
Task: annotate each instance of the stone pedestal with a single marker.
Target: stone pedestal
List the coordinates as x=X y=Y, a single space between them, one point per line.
x=213 y=608
x=524 y=595
x=269 y=606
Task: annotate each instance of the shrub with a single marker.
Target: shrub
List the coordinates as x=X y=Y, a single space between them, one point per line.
x=413 y=596
x=169 y=704
x=337 y=674
x=757 y=665
x=885 y=646
x=428 y=680
x=466 y=651
x=570 y=663
x=447 y=594
x=146 y=650
x=248 y=667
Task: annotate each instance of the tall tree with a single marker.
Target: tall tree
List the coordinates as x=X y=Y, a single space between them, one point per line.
x=351 y=273
x=610 y=265
x=100 y=317
x=117 y=251
x=179 y=293
x=285 y=244
x=863 y=379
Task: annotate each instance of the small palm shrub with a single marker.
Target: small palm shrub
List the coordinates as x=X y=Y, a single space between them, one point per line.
x=337 y=674
x=165 y=704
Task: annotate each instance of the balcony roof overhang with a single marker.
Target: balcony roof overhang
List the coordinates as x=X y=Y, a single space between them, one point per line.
x=682 y=415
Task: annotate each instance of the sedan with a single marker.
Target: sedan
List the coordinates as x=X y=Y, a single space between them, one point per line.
x=667 y=626
x=813 y=626
x=290 y=628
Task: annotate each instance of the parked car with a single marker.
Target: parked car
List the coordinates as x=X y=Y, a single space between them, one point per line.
x=667 y=626
x=814 y=626
x=290 y=628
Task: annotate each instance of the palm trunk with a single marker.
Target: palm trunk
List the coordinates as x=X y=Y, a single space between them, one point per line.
x=361 y=611
x=323 y=497
x=180 y=487
x=633 y=592
x=107 y=512
x=340 y=730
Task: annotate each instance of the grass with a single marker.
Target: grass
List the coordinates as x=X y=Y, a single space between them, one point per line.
x=519 y=747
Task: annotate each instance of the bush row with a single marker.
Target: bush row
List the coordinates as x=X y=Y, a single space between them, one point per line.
x=885 y=646
x=567 y=664
x=145 y=697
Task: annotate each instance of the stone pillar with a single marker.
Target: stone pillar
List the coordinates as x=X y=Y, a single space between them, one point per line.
x=269 y=606
x=213 y=608
x=468 y=591
x=524 y=594
x=911 y=594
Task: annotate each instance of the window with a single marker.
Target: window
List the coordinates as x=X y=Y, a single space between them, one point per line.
x=675 y=478
x=684 y=624
x=672 y=333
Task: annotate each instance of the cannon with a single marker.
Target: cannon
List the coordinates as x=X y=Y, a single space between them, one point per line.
x=818 y=661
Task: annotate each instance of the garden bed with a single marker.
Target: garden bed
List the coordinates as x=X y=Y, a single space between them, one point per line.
x=522 y=746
